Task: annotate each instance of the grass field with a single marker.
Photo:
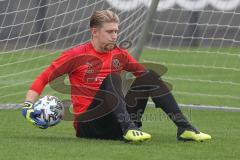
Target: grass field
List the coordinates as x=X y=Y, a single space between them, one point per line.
x=19 y=140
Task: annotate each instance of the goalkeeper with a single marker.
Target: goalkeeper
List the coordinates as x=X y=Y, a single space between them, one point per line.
x=101 y=110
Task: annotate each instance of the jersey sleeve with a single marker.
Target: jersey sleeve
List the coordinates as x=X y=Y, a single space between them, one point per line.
x=61 y=65
x=133 y=66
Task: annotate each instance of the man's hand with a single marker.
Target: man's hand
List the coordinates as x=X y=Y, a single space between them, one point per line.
x=29 y=113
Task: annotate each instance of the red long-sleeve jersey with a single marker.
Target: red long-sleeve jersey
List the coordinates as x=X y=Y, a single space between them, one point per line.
x=86 y=69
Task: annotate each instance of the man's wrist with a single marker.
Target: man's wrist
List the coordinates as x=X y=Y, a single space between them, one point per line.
x=27 y=104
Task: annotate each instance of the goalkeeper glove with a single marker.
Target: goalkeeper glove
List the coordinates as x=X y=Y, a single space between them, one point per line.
x=31 y=115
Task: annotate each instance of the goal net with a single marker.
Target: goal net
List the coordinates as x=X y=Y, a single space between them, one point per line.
x=196 y=40
x=199 y=41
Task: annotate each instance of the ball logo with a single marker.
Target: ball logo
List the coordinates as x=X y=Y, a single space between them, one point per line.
x=128 y=5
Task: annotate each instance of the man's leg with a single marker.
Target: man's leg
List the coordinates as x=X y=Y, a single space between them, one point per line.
x=130 y=130
x=136 y=106
x=150 y=85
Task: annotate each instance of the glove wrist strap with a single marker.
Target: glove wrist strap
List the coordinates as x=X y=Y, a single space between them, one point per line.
x=27 y=104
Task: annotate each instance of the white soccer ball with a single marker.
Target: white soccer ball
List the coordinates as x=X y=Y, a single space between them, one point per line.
x=52 y=110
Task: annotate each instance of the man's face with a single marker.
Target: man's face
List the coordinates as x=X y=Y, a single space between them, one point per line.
x=106 y=35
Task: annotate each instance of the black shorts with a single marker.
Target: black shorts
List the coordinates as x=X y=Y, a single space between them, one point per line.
x=106 y=127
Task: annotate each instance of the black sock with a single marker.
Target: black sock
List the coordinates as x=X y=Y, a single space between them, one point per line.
x=171 y=108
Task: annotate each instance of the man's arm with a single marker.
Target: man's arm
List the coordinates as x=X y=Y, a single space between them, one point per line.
x=57 y=68
x=31 y=96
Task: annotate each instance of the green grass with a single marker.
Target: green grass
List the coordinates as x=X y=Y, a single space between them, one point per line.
x=19 y=140
x=195 y=76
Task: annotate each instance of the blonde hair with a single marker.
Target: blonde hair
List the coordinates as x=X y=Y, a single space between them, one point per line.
x=103 y=16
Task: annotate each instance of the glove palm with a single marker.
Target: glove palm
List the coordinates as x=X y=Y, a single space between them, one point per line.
x=31 y=115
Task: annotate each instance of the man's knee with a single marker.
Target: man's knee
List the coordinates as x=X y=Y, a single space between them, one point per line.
x=114 y=77
x=113 y=80
x=150 y=84
x=148 y=77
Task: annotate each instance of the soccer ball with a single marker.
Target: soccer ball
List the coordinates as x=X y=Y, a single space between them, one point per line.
x=52 y=110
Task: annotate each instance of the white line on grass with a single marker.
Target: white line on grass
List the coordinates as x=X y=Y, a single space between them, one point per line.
x=205 y=107
x=191 y=106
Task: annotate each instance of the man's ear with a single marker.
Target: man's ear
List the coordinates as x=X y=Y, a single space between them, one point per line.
x=93 y=31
